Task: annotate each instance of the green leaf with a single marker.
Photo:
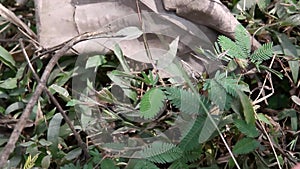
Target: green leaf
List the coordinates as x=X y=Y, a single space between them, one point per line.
x=46 y=161
x=142 y=164
x=73 y=154
x=152 y=102
x=7 y=58
x=265 y=52
x=217 y=94
x=14 y=107
x=120 y=80
x=245 y=145
x=242 y=39
x=60 y=90
x=187 y=101
x=208 y=128
x=108 y=164
x=160 y=152
x=53 y=131
x=232 y=49
x=190 y=138
x=10 y=83
x=247 y=129
x=118 y=52
x=95 y=61
x=290 y=49
x=247 y=108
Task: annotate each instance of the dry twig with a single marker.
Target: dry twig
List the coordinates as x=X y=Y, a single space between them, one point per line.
x=10 y=146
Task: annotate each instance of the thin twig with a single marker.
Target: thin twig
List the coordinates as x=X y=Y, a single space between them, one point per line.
x=56 y=103
x=10 y=146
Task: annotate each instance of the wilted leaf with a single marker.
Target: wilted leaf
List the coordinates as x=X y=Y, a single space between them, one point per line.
x=296 y=100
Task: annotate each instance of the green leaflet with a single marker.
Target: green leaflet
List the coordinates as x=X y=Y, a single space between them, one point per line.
x=191 y=138
x=245 y=145
x=247 y=129
x=152 y=102
x=247 y=108
x=160 y=152
x=265 y=52
x=187 y=101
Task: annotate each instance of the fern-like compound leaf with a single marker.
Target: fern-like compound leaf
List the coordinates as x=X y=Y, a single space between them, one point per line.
x=141 y=164
x=187 y=101
x=152 y=102
x=265 y=52
x=242 y=39
x=232 y=49
x=160 y=152
x=191 y=138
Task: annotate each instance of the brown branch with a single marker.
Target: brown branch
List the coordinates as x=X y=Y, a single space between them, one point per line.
x=10 y=146
x=56 y=103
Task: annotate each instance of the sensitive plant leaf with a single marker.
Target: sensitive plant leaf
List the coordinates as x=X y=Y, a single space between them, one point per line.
x=290 y=49
x=118 y=52
x=179 y=165
x=95 y=61
x=263 y=118
x=245 y=145
x=277 y=73
x=152 y=103
x=7 y=58
x=187 y=101
x=142 y=164
x=265 y=52
x=191 y=134
x=217 y=94
x=247 y=129
x=232 y=49
x=247 y=108
x=208 y=128
x=242 y=39
x=160 y=152
x=53 y=131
